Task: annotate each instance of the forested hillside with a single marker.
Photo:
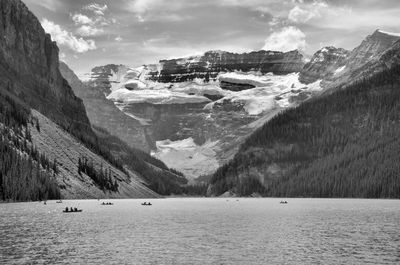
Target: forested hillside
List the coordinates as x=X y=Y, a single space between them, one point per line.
x=345 y=144
x=25 y=173
x=157 y=175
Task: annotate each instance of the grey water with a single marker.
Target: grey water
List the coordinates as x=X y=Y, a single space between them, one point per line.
x=202 y=231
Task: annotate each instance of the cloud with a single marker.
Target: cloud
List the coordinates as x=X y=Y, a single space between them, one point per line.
x=141 y=6
x=91 y=26
x=287 y=39
x=67 y=39
x=80 y=19
x=299 y=15
x=87 y=30
x=307 y=12
x=159 y=10
x=96 y=8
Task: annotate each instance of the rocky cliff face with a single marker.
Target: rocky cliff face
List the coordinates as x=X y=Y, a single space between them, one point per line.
x=377 y=53
x=371 y=48
x=209 y=65
x=337 y=67
x=29 y=68
x=324 y=64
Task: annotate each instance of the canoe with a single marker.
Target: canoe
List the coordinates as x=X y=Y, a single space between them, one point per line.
x=78 y=211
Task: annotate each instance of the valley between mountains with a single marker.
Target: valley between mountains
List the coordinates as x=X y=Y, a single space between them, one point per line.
x=262 y=123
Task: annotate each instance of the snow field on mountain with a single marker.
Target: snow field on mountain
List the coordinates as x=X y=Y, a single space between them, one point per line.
x=255 y=101
x=264 y=98
x=191 y=159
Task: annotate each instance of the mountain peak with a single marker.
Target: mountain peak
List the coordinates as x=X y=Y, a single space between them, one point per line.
x=382 y=32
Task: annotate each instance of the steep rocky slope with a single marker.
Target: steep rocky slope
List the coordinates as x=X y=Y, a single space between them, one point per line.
x=104 y=113
x=371 y=48
x=57 y=144
x=337 y=67
x=324 y=64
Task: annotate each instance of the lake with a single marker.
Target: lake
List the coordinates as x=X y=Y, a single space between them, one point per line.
x=202 y=231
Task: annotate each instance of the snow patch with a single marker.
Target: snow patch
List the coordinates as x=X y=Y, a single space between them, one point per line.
x=389 y=33
x=275 y=91
x=324 y=49
x=144 y=122
x=340 y=69
x=188 y=157
x=160 y=96
x=251 y=78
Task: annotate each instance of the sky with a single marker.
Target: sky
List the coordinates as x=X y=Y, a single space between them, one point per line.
x=91 y=33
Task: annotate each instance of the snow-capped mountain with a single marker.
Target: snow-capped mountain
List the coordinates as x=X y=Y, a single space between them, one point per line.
x=195 y=111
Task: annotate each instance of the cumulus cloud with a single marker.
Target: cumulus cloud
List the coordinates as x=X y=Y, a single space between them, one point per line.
x=67 y=39
x=93 y=21
x=287 y=39
x=96 y=8
x=80 y=19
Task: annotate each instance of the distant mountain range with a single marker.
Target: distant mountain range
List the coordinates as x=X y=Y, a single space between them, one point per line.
x=196 y=111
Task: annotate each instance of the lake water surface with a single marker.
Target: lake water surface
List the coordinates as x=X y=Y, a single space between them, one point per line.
x=202 y=231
